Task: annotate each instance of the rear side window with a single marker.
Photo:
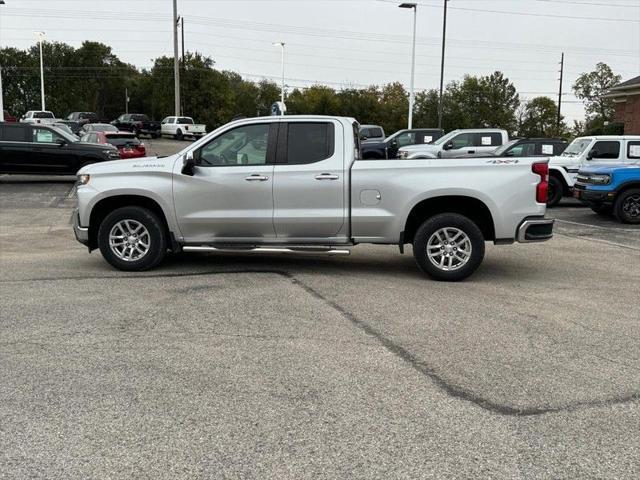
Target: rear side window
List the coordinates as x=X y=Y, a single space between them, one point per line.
x=488 y=140
x=606 y=149
x=633 y=149
x=12 y=133
x=43 y=115
x=309 y=142
x=185 y=121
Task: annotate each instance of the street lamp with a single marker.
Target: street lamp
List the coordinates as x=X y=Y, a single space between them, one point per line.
x=413 y=60
x=281 y=44
x=1 y=104
x=40 y=36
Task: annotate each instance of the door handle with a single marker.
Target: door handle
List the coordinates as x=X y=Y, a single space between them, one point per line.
x=471 y=151
x=327 y=176
x=256 y=177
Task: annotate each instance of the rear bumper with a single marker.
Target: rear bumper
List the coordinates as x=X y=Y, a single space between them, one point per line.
x=535 y=229
x=81 y=233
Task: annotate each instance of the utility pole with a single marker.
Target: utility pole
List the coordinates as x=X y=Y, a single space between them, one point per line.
x=281 y=45
x=183 y=60
x=176 y=69
x=413 y=61
x=40 y=35
x=560 y=91
x=1 y=95
x=444 y=35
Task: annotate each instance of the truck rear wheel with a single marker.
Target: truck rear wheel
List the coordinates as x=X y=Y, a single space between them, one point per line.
x=448 y=247
x=627 y=206
x=132 y=239
x=179 y=135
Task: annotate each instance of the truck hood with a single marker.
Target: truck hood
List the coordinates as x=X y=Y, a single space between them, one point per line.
x=133 y=165
x=420 y=148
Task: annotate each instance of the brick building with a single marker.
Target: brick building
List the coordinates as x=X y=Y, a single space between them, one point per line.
x=626 y=97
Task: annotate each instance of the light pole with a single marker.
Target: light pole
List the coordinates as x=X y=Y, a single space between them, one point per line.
x=176 y=69
x=413 y=60
x=444 y=34
x=281 y=44
x=1 y=94
x=40 y=36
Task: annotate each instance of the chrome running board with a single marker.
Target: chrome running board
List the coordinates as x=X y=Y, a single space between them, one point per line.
x=285 y=250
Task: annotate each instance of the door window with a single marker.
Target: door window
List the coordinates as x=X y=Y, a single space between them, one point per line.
x=40 y=135
x=463 y=140
x=309 y=142
x=523 y=150
x=606 y=149
x=12 y=133
x=246 y=145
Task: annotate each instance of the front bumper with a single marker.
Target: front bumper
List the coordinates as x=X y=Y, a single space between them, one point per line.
x=535 y=229
x=81 y=233
x=593 y=196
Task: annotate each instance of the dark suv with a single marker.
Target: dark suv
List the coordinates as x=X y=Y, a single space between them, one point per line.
x=531 y=147
x=44 y=149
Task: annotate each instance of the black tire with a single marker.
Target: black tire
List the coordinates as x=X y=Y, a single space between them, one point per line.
x=156 y=234
x=601 y=208
x=556 y=190
x=627 y=206
x=437 y=223
x=179 y=135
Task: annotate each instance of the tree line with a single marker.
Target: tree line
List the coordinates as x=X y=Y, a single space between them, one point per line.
x=93 y=78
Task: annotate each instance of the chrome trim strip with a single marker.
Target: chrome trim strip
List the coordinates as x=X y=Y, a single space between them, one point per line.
x=287 y=250
x=522 y=229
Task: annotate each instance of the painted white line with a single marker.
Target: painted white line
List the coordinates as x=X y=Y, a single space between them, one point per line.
x=599 y=226
x=597 y=240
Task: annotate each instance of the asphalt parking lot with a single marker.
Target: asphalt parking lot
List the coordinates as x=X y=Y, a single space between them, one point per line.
x=240 y=366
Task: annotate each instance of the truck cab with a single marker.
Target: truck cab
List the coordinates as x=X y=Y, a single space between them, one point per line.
x=585 y=151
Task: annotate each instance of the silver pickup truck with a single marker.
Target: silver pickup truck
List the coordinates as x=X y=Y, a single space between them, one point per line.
x=296 y=184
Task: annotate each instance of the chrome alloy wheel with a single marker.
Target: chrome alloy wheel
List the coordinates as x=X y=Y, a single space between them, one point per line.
x=631 y=206
x=129 y=240
x=449 y=248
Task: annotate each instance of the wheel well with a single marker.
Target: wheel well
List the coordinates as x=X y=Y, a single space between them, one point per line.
x=107 y=205
x=560 y=177
x=627 y=186
x=470 y=207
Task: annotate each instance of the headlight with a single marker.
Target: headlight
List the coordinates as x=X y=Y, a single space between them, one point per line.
x=83 y=179
x=599 y=179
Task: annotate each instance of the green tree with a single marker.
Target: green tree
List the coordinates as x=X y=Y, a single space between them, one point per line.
x=539 y=119
x=590 y=88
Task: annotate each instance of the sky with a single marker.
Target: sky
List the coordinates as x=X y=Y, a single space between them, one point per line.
x=343 y=43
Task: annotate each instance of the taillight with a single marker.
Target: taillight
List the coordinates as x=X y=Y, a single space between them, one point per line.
x=542 y=188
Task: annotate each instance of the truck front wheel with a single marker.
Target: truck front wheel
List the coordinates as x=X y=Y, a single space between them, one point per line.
x=132 y=238
x=448 y=247
x=627 y=206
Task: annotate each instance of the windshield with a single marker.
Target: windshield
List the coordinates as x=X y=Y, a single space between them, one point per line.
x=70 y=137
x=185 y=121
x=443 y=139
x=43 y=115
x=576 y=147
x=500 y=150
x=122 y=139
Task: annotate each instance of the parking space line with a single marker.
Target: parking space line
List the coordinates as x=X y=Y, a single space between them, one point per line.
x=599 y=226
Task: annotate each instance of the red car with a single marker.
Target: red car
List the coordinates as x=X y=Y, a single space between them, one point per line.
x=9 y=118
x=126 y=142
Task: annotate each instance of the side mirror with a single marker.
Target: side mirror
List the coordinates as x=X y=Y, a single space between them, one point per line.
x=448 y=146
x=510 y=154
x=363 y=137
x=188 y=164
x=61 y=142
x=591 y=154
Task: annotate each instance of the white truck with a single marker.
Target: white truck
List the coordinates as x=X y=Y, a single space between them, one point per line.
x=39 y=116
x=475 y=142
x=585 y=151
x=180 y=127
x=297 y=184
